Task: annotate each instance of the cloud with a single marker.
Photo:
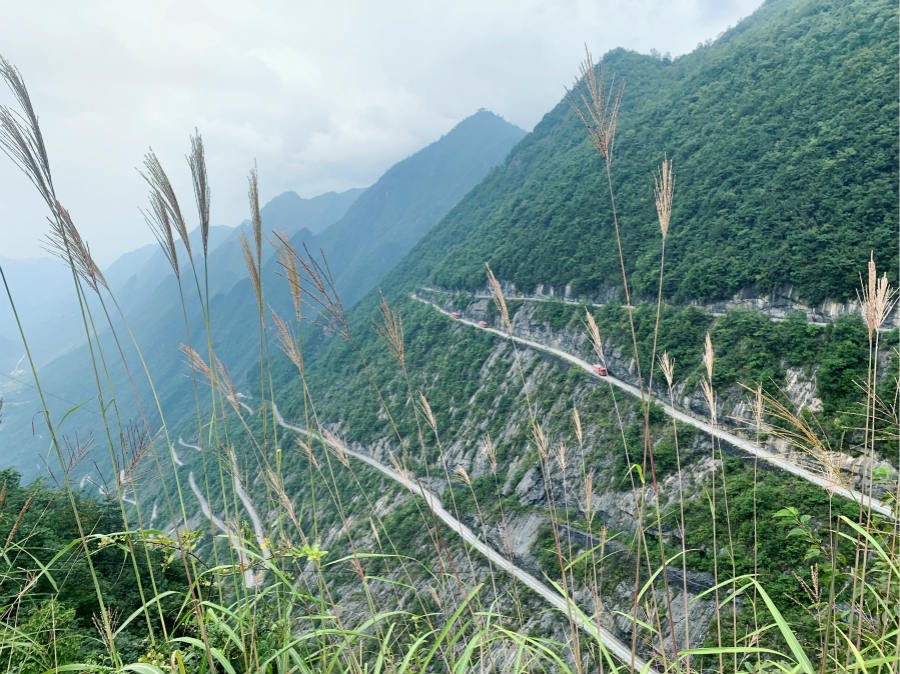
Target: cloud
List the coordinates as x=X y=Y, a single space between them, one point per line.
x=322 y=95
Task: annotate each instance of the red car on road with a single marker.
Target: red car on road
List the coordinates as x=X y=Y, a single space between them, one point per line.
x=482 y=324
x=599 y=369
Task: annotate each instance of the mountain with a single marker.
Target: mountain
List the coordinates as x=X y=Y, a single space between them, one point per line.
x=783 y=136
x=408 y=200
x=44 y=296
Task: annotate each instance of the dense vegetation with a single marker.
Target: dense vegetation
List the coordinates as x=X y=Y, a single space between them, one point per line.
x=783 y=134
x=309 y=548
x=46 y=586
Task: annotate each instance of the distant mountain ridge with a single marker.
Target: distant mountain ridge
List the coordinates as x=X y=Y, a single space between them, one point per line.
x=407 y=201
x=397 y=210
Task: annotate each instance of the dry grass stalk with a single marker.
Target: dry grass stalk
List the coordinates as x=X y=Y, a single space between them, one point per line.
x=540 y=439
x=576 y=419
x=595 y=106
x=390 y=330
x=288 y=257
x=286 y=503
x=305 y=446
x=404 y=476
x=66 y=243
x=426 y=410
x=562 y=456
x=197 y=163
x=464 y=476
x=20 y=135
x=158 y=221
x=75 y=450
x=667 y=365
x=337 y=445
x=287 y=342
x=18 y=522
x=708 y=356
x=499 y=301
x=875 y=299
x=663 y=189
x=375 y=531
x=710 y=396
x=159 y=182
x=217 y=375
x=436 y=598
x=315 y=287
x=135 y=445
x=252 y=268
x=487 y=446
x=799 y=431
x=758 y=407
x=594 y=334
x=588 y=493
x=255 y=217
x=197 y=363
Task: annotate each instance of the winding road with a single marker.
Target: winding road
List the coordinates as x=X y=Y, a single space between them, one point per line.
x=607 y=638
x=745 y=445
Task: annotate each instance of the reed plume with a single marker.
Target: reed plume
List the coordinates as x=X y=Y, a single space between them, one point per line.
x=197 y=162
x=156 y=177
x=390 y=330
x=65 y=242
x=20 y=135
x=157 y=219
x=499 y=301
x=595 y=105
x=663 y=190
x=594 y=333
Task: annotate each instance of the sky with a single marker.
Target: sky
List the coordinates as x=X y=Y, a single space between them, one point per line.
x=320 y=95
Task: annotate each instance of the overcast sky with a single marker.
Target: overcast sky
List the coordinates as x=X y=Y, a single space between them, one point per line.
x=323 y=95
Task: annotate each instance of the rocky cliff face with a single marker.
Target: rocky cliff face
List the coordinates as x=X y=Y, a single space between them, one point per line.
x=735 y=407
x=777 y=304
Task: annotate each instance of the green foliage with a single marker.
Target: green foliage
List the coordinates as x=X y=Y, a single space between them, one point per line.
x=783 y=135
x=41 y=533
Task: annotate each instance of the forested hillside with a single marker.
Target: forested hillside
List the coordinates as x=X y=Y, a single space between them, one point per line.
x=784 y=139
x=523 y=472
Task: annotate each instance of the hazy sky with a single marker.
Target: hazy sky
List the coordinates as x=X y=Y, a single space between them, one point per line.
x=323 y=95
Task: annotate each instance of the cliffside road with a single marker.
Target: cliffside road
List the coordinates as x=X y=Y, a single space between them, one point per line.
x=733 y=440
x=616 y=647
x=564 y=300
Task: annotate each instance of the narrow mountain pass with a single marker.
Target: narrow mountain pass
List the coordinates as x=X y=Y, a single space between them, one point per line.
x=619 y=649
x=740 y=443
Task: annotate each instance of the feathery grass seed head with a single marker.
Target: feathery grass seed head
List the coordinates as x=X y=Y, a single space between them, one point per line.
x=197 y=163
x=390 y=330
x=708 y=356
x=663 y=189
x=667 y=365
x=499 y=301
x=876 y=298
x=596 y=107
x=594 y=334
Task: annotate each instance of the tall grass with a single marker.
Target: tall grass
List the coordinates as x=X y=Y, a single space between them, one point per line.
x=398 y=590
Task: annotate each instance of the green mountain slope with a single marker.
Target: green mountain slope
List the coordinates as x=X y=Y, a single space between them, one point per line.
x=784 y=138
x=408 y=200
